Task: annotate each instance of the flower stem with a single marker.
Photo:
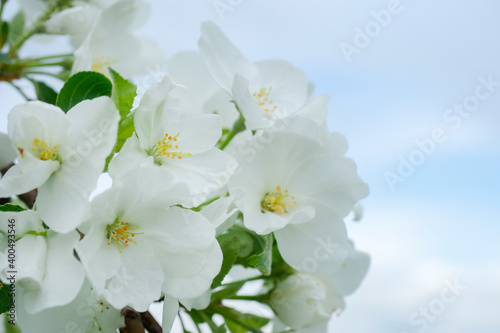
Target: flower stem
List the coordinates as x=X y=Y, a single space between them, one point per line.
x=206 y=203
x=47 y=64
x=43 y=73
x=256 y=298
x=260 y=277
x=54 y=56
x=208 y=320
x=239 y=126
x=20 y=91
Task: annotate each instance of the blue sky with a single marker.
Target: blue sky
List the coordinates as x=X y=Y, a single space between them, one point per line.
x=443 y=222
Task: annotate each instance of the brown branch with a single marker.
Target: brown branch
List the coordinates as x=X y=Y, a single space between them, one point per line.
x=133 y=322
x=150 y=323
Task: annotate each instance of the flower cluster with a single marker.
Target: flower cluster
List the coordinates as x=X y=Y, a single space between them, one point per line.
x=222 y=163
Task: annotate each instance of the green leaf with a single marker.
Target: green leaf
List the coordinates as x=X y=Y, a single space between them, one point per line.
x=44 y=92
x=238 y=322
x=125 y=130
x=263 y=259
x=5 y=298
x=124 y=93
x=16 y=28
x=11 y=208
x=255 y=250
x=4 y=33
x=227 y=292
x=246 y=243
x=220 y=329
x=245 y=238
x=230 y=250
x=83 y=86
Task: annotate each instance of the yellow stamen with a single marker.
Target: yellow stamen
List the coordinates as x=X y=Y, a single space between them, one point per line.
x=264 y=103
x=277 y=202
x=121 y=234
x=166 y=149
x=42 y=150
x=99 y=64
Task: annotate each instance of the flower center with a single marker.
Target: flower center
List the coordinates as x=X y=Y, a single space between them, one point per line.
x=265 y=104
x=277 y=202
x=167 y=148
x=120 y=232
x=42 y=151
x=98 y=64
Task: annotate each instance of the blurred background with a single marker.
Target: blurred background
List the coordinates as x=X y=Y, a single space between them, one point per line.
x=398 y=72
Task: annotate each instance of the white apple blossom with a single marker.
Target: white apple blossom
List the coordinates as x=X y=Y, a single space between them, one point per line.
x=264 y=91
x=301 y=190
x=60 y=154
x=176 y=142
x=140 y=245
x=305 y=302
x=113 y=43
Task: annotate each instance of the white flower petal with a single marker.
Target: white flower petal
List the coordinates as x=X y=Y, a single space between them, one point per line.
x=202 y=173
x=161 y=102
x=187 y=68
x=37 y=120
x=316 y=109
x=7 y=152
x=196 y=284
x=220 y=103
x=63 y=201
x=123 y=15
x=29 y=174
x=160 y=190
x=222 y=59
x=138 y=282
x=31 y=259
x=63 y=277
x=101 y=262
x=339 y=187
x=94 y=125
x=130 y=157
x=220 y=214
x=248 y=105
x=353 y=271
x=59 y=318
x=197 y=133
x=25 y=221
x=198 y=303
x=72 y=21
x=323 y=243
x=170 y=309
x=289 y=84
